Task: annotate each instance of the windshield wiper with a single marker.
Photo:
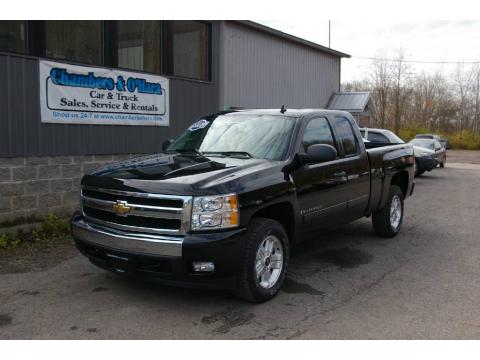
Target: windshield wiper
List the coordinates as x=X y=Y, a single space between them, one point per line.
x=242 y=154
x=194 y=151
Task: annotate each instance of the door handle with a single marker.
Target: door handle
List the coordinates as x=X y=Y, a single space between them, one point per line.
x=340 y=174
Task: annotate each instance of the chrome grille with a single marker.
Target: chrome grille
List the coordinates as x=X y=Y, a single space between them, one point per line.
x=147 y=213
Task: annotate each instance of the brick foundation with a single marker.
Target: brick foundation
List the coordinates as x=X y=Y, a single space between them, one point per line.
x=31 y=187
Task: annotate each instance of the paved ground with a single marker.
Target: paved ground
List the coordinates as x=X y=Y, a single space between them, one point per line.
x=425 y=283
x=463 y=156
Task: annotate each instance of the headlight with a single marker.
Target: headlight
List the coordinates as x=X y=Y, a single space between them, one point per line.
x=215 y=212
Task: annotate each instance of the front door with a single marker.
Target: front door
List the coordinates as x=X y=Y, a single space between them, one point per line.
x=319 y=186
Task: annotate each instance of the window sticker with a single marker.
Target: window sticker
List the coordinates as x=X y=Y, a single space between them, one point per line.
x=200 y=124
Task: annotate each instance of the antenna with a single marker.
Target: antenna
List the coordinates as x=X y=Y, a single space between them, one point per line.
x=283 y=109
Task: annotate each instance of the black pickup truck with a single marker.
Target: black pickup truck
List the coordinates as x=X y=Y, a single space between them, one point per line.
x=224 y=203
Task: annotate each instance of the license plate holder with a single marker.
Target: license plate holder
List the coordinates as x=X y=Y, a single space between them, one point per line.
x=120 y=263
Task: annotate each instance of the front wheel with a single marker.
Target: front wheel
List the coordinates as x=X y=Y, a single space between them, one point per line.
x=442 y=164
x=265 y=261
x=388 y=220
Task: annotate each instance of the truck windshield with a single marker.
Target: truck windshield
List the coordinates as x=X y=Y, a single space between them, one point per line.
x=238 y=135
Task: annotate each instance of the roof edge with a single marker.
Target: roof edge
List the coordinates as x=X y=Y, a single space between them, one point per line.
x=292 y=38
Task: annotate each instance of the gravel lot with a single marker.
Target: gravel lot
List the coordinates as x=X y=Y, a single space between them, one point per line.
x=348 y=284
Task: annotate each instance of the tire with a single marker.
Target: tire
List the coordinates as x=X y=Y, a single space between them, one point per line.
x=442 y=164
x=383 y=223
x=254 y=288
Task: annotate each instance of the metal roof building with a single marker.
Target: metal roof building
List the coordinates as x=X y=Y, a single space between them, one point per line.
x=79 y=94
x=359 y=104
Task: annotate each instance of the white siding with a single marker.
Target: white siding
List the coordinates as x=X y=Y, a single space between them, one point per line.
x=259 y=70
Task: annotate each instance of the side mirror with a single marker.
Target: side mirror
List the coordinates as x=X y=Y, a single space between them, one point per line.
x=166 y=144
x=319 y=153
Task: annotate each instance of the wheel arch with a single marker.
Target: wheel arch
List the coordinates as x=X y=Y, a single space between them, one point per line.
x=282 y=212
x=401 y=180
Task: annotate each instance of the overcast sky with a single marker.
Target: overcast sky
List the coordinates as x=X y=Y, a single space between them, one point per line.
x=425 y=41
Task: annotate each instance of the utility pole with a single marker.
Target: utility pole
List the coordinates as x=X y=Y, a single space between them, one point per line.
x=329 y=30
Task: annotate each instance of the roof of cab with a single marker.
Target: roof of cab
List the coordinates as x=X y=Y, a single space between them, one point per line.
x=288 y=112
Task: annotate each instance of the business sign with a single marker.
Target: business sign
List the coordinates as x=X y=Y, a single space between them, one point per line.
x=72 y=94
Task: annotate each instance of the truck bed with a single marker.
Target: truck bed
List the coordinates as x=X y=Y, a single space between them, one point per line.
x=385 y=161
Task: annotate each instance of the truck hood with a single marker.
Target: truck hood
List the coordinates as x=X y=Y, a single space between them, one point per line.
x=180 y=174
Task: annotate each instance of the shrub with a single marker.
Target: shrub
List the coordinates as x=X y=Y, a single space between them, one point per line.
x=52 y=229
x=466 y=140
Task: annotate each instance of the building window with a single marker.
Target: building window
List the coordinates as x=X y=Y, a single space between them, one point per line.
x=12 y=36
x=138 y=45
x=190 y=49
x=74 y=40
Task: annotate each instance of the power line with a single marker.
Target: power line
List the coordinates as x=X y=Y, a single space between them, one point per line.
x=419 y=61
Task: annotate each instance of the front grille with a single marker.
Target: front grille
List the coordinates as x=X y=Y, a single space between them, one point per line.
x=140 y=212
x=176 y=203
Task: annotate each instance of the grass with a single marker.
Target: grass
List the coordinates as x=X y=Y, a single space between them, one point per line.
x=52 y=230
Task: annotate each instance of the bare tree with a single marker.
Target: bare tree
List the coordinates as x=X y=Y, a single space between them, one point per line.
x=381 y=86
x=440 y=102
x=463 y=82
x=400 y=73
x=476 y=92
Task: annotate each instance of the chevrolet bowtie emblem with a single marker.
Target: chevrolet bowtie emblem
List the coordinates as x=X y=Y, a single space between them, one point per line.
x=121 y=208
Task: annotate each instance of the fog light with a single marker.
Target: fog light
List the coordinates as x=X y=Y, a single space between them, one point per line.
x=203 y=266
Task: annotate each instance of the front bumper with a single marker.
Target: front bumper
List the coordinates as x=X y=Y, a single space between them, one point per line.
x=426 y=163
x=165 y=259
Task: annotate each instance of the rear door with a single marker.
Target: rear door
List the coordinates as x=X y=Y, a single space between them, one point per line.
x=354 y=164
x=320 y=187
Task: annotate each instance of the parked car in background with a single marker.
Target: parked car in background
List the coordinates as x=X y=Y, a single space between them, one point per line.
x=442 y=141
x=425 y=159
x=435 y=146
x=380 y=136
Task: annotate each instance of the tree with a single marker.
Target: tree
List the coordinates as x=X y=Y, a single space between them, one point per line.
x=463 y=82
x=400 y=73
x=380 y=78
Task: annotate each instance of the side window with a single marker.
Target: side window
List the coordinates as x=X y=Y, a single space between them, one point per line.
x=317 y=131
x=362 y=132
x=345 y=135
x=378 y=138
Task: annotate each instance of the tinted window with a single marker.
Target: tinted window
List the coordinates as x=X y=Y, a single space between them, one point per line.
x=74 y=40
x=345 y=135
x=376 y=137
x=12 y=35
x=138 y=45
x=190 y=49
x=317 y=131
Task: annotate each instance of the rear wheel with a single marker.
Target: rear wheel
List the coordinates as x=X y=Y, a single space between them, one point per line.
x=265 y=261
x=388 y=220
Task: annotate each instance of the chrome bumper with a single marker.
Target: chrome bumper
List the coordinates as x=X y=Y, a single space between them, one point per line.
x=147 y=244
